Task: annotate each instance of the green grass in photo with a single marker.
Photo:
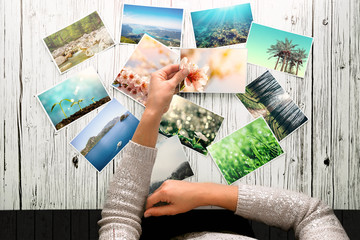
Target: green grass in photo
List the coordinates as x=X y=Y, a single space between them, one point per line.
x=245 y=150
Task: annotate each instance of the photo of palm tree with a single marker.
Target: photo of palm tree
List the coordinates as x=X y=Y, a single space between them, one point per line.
x=280 y=50
x=245 y=150
x=265 y=97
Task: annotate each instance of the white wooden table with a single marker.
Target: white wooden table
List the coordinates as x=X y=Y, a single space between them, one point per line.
x=36 y=169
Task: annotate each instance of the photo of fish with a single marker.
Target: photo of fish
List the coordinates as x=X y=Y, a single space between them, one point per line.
x=224 y=26
x=78 y=42
x=170 y=163
x=265 y=97
x=73 y=98
x=195 y=126
x=245 y=150
x=214 y=70
x=163 y=24
x=106 y=135
x=277 y=49
x=148 y=57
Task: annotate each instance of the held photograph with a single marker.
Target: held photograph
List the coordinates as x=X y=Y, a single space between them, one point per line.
x=163 y=24
x=220 y=27
x=280 y=50
x=148 y=57
x=78 y=42
x=73 y=98
x=265 y=97
x=170 y=163
x=195 y=126
x=106 y=135
x=214 y=70
x=245 y=150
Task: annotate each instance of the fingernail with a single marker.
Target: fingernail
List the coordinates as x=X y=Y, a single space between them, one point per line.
x=146 y=215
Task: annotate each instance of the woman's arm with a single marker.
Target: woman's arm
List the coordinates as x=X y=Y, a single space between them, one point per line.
x=309 y=217
x=126 y=196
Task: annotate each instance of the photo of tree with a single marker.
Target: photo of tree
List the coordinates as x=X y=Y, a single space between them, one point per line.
x=265 y=97
x=148 y=57
x=161 y=23
x=214 y=70
x=78 y=42
x=280 y=50
x=224 y=26
x=195 y=126
x=170 y=163
x=245 y=150
x=73 y=98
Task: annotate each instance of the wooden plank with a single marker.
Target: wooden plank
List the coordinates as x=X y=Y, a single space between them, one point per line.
x=25 y=225
x=8 y=225
x=61 y=225
x=43 y=225
x=79 y=224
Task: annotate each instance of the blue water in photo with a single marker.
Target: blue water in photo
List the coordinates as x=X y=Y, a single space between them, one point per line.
x=106 y=149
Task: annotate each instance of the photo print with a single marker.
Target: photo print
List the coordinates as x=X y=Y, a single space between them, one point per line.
x=106 y=135
x=245 y=150
x=170 y=163
x=78 y=42
x=148 y=57
x=224 y=26
x=214 y=70
x=161 y=23
x=280 y=50
x=73 y=98
x=195 y=126
x=265 y=97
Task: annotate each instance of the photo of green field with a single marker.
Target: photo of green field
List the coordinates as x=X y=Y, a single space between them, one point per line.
x=265 y=97
x=245 y=150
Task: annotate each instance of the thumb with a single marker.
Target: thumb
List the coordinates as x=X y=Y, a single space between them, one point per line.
x=160 y=211
x=179 y=76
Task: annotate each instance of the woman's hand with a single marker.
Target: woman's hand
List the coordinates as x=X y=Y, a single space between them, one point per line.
x=182 y=196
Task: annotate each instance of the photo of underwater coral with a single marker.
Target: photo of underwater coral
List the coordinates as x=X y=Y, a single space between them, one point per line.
x=163 y=24
x=106 y=135
x=245 y=150
x=148 y=57
x=175 y=167
x=222 y=26
x=280 y=50
x=78 y=42
x=214 y=70
x=73 y=98
x=265 y=97
x=195 y=126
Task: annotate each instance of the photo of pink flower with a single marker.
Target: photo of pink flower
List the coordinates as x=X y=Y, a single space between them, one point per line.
x=148 y=57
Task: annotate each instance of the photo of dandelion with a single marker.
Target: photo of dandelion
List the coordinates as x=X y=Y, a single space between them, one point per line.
x=245 y=150
x=195 y=126
x=73 y=98
x=170 y=163
x=148 y=57
x=163 y=24
x=222 y=26
x=265 y=97
x=214 y=70
x=280 y=50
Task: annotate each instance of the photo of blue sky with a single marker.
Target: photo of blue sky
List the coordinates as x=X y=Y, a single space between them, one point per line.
x=268 y=47
x=163 y=24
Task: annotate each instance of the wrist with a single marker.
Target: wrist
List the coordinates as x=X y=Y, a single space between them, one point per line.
x=152 y=114
x=212 y=194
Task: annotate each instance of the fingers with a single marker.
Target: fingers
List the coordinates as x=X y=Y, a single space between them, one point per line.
x=169 y=69
x=179 y=76
x=160 y=211
x=153 y=199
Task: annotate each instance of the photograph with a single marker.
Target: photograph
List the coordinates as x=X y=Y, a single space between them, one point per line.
x=214 y=70
x=220 y=27
x=265 y=97
x=104 y=137
x=280 y=50
x=163 y=24
x=195 y=126
x=148 y=57
x=73 y=98
x=78 y=42
x=245 y=150
x=170 y=163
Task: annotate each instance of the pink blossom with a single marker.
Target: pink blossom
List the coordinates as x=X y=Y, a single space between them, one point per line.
x=197 y=78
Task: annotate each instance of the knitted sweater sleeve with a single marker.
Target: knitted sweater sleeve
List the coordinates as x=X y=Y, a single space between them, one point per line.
x=127 y=193
x=310 y=218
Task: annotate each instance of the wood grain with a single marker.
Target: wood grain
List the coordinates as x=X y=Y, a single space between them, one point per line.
x=322 y=158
